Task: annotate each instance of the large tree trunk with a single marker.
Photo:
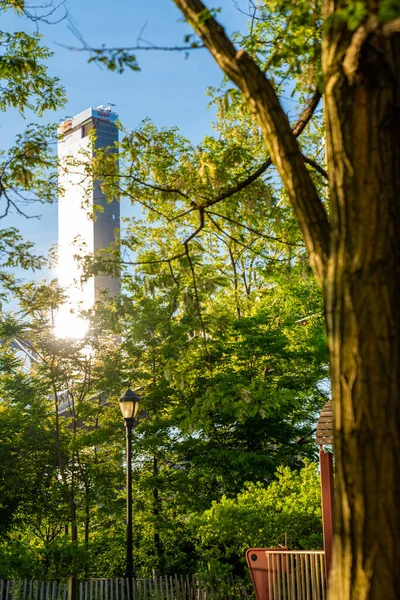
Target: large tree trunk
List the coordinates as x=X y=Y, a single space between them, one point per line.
x=362 y=301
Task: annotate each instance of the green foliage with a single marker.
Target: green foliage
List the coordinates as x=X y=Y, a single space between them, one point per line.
x=219 y=326
x=287 y=512
x=207 y=14
x=28 y=167
x=388 y=10
x=70 y=465
x=115 y=60
x=353 y=14
x=23 y=73
x=14 y=251
x=26 y=444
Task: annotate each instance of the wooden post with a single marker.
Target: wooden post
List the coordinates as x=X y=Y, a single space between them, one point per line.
x=327 y=490
x=72 y=588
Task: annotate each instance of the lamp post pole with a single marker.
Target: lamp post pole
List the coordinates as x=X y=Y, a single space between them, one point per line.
x=129 y=404
x=129 y=571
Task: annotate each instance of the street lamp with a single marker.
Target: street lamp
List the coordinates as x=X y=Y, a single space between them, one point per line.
x=129 y=405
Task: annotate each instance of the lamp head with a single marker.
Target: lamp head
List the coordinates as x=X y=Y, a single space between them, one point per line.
x=129 y=404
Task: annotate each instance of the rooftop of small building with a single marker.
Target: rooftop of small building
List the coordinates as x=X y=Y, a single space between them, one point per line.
x=103 y=113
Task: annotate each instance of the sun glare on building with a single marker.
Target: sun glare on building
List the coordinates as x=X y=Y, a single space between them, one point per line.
x=68 y=325
x=78 y=232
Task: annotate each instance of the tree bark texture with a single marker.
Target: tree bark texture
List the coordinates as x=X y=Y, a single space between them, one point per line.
x=362 y=304
x=356 y=258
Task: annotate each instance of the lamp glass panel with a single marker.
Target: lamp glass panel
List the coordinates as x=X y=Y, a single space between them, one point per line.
x=129 y=409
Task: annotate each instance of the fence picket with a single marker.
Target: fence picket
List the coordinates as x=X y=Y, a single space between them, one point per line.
x=167 y=596
x=201 y=589
x=212 y=591
x=145 y=589
x=139 y=589
x=303 y=577
x=158 y=588
x=313 y=582
x=322 y=568
x=155 y=583
x=167 y=589
x=193 y=590
x=183 y=594
x=292 y=578
x=317 y=580
x=179 y=584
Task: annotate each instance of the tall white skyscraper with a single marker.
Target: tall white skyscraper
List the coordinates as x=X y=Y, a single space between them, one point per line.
x=78 y=231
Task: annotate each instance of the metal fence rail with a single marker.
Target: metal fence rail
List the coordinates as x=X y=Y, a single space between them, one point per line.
x=155 y=588
x=295 y=575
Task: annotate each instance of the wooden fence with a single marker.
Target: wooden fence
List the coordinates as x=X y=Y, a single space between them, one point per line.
x=295 y=575
x=156 y=588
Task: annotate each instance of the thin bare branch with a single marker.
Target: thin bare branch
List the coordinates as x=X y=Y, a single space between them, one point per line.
x=252 y=230
x=242 y=244
x=198 y=306
x=114 y=50
x=158 y=188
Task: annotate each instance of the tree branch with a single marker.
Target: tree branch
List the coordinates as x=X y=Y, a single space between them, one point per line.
x=284 y=150
x=247 y=246
x=303 y=121
x=313 y=163
x=157 y=188
x=252 y=230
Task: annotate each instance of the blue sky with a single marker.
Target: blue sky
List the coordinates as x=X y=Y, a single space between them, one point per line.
x=170 y=89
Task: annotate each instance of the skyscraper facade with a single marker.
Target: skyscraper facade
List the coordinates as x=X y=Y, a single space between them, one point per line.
x=82 y=230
